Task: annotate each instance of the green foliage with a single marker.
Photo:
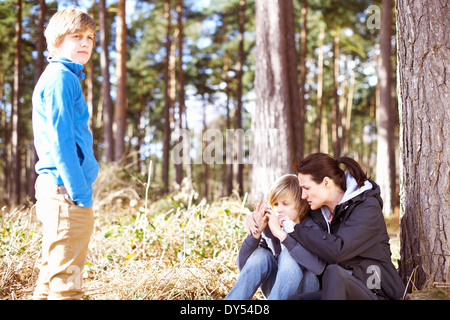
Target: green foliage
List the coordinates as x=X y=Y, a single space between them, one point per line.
x=210 y=34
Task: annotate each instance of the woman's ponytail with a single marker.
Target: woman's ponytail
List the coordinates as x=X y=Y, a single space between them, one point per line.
x=354 y=169
x=321 y=165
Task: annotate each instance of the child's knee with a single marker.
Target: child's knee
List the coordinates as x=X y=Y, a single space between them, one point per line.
x=261 y=259
x=287 y=263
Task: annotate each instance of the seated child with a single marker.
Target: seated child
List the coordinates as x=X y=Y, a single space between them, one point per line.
x=269 y=257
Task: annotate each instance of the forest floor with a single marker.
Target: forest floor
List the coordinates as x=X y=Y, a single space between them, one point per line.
x=179 y=248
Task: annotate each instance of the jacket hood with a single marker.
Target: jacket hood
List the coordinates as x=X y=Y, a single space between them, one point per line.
x=352 y=188
x=353 y=193
x=75 y=67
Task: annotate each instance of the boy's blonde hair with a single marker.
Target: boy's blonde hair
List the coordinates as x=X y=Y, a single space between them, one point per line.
x=287 y=186
x=64 y=22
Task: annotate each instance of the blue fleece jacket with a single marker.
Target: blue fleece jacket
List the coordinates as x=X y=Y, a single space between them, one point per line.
x=61 y=133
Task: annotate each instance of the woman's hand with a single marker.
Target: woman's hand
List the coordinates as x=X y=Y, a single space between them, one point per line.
x=257 y=221
x=275 y=225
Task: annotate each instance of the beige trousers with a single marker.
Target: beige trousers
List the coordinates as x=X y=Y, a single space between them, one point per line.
x=67 y=229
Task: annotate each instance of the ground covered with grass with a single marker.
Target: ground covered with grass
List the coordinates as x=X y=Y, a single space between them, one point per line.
x=174 y=247
x=177 y=247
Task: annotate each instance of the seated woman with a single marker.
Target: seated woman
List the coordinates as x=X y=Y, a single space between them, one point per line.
x=353 y=239
x=280 y=268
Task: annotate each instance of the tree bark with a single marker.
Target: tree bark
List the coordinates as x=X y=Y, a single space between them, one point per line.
x=423 y=40
x=271 y=126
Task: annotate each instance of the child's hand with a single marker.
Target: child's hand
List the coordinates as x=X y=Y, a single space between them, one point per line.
x=275 y=225
x=257 y=221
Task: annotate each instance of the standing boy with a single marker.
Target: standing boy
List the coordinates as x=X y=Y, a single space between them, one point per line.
x=67 y=167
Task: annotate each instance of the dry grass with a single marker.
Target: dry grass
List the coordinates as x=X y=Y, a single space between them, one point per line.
x=182 y=248
x=19 y=251
x=184 y=253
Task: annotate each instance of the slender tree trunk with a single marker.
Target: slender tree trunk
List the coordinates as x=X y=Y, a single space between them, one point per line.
x=423 y=37
x=385 y=125
x=271 y=126
x=180 y=86
x=90 y=94
x=298 y=123
x=335 y=108
x=40 y=60
x=15 y=113
x=4 y=130
x=322 y=115
x=167 y=102
x=140 y=137
x=342 y=113
x=348 y=117
x=239 y=72
x=120 y=112
x=295 y=93
x=204 y=164
x=90 y=84
x=229 y=166
x=108 y=136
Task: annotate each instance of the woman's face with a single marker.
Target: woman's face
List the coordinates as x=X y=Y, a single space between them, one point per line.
x=315 y=193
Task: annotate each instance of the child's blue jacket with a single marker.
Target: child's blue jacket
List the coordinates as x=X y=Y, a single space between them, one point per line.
x=62 y=137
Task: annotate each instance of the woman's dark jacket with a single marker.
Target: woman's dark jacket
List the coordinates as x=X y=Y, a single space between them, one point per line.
x=358 y=241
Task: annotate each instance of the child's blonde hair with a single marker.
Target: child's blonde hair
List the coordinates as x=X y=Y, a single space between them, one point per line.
x=288 y=186
x=64 y=22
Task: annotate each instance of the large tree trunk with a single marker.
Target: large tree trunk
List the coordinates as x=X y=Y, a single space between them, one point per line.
x=385 y=126
x=120 y=112
x=106 y=86
x=271 y=126
x=423 y=77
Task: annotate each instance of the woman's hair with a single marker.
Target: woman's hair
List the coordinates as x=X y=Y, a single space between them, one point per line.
x=288 y=186
x=64 y=22
x=321 y=165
